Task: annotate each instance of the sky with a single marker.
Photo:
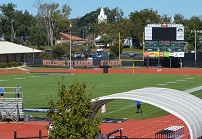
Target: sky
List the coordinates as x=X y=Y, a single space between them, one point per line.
x=187 y=8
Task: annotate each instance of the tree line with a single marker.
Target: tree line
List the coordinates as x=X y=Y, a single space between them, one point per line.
x=43 y=29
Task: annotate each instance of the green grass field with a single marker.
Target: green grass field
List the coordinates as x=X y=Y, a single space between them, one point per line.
x=38 y=89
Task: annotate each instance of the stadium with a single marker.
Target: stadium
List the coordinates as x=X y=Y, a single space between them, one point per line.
x=150 y=124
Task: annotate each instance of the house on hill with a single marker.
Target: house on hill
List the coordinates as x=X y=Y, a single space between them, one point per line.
x=14 y=52
x=64 y=38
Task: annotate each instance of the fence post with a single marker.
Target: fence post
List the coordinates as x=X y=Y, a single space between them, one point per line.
x=40 y=134
x=121 y=132
x=15 y=134
x=18 y=112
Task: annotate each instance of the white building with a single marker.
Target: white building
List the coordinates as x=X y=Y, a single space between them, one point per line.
x=102 y=18
x=128 y=42
x=14 y=52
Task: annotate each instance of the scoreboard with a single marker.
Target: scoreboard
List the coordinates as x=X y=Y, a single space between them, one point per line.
x=163 y=33
x=158 y=32
x=164 y=38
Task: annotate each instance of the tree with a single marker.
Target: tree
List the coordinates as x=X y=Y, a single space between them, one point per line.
x=71 y=113
x=179 y=18
x=54 y=18
x=139 y=21
x=8 y=18
x=23 y=23
x=194 y=23
x=165 y=18
x=114 y=15
x=37 y=35
x=88 y=24
x=114 y=49
x=59 y=51
x=45 y=56
x=15 y=24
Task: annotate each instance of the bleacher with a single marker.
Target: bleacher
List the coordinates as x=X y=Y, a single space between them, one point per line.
x=171 y=132
x=11 y=107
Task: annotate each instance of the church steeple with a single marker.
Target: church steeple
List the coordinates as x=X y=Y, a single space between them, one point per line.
x=102 y=18
x=172 y=19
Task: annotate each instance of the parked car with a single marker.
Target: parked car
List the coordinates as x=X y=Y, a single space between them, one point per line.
x=100 y=52
x=78 y=56
x=48 y=51
x=93 y=55
x=132 y=54
x=89 y=58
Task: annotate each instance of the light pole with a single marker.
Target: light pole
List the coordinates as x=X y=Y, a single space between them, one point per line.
x=195 y=32
x=70 y=45
x=33 y=56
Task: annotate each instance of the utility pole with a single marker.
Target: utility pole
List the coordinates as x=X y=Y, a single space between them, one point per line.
x=12 y=30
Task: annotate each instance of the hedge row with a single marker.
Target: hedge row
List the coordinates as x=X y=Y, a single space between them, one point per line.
x=11 y=64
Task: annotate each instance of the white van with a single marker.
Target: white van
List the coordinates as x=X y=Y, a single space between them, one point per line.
x=99 y=52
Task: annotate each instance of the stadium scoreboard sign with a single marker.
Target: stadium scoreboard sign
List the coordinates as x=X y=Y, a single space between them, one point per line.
x=159 y=32
x=164 y=38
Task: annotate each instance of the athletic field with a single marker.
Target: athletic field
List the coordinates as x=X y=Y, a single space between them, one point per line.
x=39 y=86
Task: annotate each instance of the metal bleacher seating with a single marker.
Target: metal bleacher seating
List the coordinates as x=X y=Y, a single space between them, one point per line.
x=11 y=107
x=171 y=132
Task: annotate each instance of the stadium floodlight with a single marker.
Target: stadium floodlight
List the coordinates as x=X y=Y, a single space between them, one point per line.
x=195 y=32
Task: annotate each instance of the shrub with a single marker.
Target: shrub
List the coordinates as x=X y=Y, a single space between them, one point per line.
x=11 y=64
x=14 y=64
x=8 y=65
x=20 y=64
x=2 y=65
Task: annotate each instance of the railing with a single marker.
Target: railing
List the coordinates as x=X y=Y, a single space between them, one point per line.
x=172 y=132
x=39 y=136
x=116 y=131
x=11 y=104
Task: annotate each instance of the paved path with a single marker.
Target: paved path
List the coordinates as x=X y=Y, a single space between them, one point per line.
x=22 y=68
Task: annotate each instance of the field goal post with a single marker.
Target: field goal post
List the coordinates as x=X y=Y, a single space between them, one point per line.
x=132 y=60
